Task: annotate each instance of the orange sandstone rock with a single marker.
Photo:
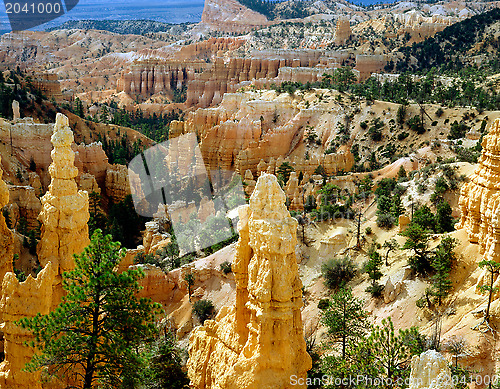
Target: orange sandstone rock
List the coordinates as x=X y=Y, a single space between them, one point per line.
x=65 y=210
x=259 y=342
x=479 y=200
x=23 y=299
x=6 y=237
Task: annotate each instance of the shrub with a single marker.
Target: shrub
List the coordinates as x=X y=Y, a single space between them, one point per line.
x=403 y=135
x=203 y=309
x=415 y=124
x=323 y=304
x=458 y=130
x=368 y=231
x=338 y=272
x=225 y=267
x=385 y=220
x=375 y=290
x=424 y=217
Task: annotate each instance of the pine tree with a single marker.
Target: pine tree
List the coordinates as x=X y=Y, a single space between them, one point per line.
x=397 y=207
x=79 y=108
x=345 y=318
x=372 y=268
x=390 y=245
x=93 y=335
x=444 y=220
x=164 y=368
x=493 y=269
x=392 y=351
x=417 y=240
x=442 y=263
x=284 y=171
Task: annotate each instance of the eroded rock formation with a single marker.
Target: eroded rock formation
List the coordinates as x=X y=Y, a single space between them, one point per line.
x=430 y=370
x=258 y=342
x=247 y=129
x=343 y=31
x=65 y=210
x=23 y=203
x=117 y=182
x=48 y=84
x=231 y=16
x=6 y=236
x=22 y=299
x=480 y=198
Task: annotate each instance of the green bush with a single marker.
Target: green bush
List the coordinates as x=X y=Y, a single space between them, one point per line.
x=204 y=310
x=415 y=124
x=323 y=304
x=338 y=272
x=225 y=267
x=458 y=130
x=385 y=220
x=375 y=290
x=403 y=135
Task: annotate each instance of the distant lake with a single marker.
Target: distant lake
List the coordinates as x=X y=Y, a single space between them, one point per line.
x=168 y=11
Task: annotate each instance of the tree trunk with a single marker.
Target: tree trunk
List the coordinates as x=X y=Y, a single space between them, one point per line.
x=344 y=335
x=487 y=315
x=358 y=244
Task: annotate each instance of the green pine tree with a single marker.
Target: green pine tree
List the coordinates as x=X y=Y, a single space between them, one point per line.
x=393 y=351
x=397 y=207
x=164 y=368
x=345 y=318
x=417 y=240
x=94 y=334
x=372 y=268
x=493 y=269
x=442 y=263
x=390 y=245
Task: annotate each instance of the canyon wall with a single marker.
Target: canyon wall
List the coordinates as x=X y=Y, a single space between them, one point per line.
x=258 y=342
x=247 y=129
x=23 y=203
x=32 y=142
x=6 y=236
x=207 y=74
x=147 y=77
x=48 y=85
x=479 y=200
x=368 y=64
x=19 y=300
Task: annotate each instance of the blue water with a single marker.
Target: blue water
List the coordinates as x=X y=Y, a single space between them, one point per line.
x=168 y=11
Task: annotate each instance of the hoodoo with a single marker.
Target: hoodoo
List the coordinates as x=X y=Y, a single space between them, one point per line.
x=259 y=342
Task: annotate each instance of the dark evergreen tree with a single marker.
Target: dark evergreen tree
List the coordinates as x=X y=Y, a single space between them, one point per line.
x=93 y=335
x=345 y=319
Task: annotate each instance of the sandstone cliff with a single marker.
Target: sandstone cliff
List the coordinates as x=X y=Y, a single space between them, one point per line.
x=480 y=198
x=258 y=342
x=248 y=128
x=22 y=299
x=6 y=237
